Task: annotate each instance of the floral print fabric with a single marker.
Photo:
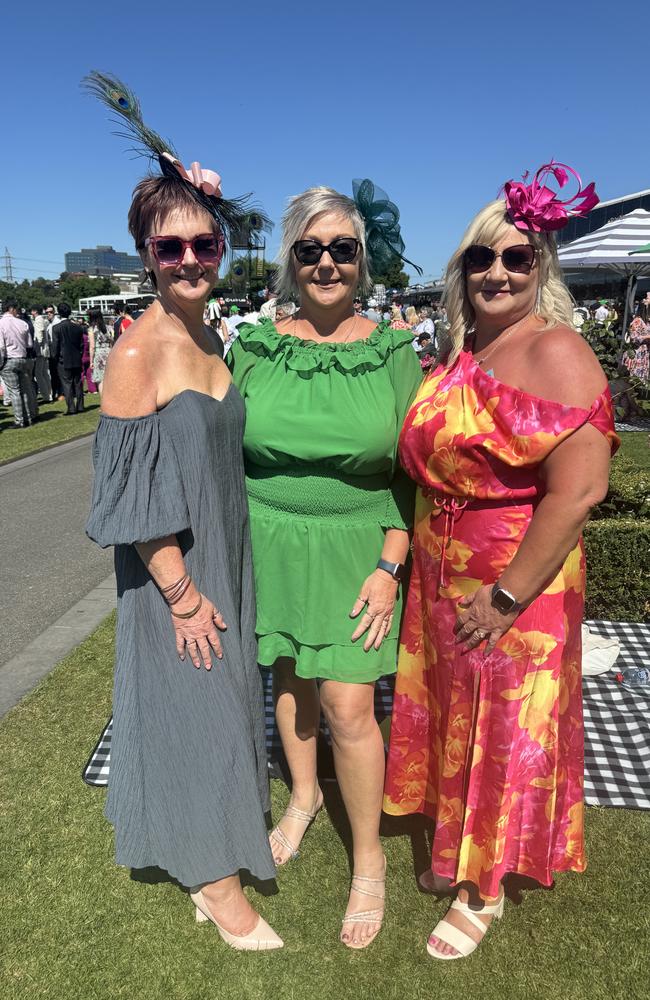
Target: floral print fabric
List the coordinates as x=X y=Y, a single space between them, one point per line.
x=491 y=749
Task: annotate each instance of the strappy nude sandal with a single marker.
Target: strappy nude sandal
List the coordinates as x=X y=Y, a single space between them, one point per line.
x=375 y=916
x=455 y=938
x=278 y=835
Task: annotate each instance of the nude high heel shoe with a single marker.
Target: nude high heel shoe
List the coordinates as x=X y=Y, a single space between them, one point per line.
x=261 y=938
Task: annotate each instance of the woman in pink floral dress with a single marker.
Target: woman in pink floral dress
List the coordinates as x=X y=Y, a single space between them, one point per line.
x=509 y=440
x=638 y=364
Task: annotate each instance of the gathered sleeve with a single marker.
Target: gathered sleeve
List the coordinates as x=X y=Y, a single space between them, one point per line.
x=406 y=376
x=138 y=492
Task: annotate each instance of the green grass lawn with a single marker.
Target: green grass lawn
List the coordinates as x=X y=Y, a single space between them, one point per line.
x=73 y=925
x=635 y=445
x=52 y=428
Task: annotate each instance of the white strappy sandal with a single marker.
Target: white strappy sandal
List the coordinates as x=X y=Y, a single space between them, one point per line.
x=279 y=836
x=455 y=938
x=375 y=916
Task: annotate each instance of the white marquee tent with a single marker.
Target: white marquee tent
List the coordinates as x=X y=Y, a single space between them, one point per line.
x=614 y=247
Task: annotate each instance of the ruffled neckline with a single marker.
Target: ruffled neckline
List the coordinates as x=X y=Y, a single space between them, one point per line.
x=308 y=356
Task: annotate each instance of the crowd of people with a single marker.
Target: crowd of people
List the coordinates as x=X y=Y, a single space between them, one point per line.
x=265 y=511
x=49 y=355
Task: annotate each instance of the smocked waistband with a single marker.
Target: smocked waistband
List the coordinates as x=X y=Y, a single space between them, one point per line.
x=313 y=491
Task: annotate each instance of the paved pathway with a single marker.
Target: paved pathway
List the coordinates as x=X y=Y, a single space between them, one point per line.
x=47 y=564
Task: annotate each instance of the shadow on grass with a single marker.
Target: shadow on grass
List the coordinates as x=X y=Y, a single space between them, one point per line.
x=158 y=876
x=46 y=413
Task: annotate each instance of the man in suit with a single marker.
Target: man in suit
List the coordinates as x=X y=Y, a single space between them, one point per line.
x=67 y=348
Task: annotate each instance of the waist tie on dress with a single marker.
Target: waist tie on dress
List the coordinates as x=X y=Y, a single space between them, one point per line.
x=452 y=509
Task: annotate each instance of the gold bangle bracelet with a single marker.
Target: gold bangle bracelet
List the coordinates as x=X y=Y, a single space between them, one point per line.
x=188 y=614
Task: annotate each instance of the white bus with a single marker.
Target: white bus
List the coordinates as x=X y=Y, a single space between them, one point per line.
x=137 y=300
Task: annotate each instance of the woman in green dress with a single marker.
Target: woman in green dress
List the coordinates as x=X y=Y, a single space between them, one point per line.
x=326 y=392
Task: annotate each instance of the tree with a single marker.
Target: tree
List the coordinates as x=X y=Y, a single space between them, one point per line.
x=43 y=292
x=71 y=289
x=244 y=273
x=393 y=276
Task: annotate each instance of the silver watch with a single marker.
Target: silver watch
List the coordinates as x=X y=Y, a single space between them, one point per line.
x=504 y=601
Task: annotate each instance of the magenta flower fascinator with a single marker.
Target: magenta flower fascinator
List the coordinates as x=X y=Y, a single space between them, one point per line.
x=536 y=208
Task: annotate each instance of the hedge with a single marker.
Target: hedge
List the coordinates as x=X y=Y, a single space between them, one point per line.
x=618 y=570
x=629 y=492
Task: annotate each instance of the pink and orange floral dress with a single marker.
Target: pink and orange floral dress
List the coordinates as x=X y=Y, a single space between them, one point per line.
x=491 y=748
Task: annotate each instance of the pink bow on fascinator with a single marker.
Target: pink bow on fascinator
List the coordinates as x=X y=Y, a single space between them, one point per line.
x=536 y=208
x=207 y=181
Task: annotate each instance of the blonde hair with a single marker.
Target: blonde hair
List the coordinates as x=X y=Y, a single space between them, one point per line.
x=492 y=223
x=303 y=209
x=411 y=316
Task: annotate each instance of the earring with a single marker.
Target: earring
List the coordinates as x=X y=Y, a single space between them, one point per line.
x=538 y=300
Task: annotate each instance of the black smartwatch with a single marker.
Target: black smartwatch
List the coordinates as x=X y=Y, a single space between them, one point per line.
x=396 y=570
x=504 y=601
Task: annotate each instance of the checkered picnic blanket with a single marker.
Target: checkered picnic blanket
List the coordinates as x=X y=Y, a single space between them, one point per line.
x=617 y=726
x=97 y=768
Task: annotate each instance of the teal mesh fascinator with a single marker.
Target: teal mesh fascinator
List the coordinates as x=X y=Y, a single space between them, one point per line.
x=381 y=217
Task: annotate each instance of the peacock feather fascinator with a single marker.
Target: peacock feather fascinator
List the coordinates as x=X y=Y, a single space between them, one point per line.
x=381 y=217
x=236 y=217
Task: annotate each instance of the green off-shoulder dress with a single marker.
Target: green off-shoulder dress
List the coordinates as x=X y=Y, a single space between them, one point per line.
x=320 y=449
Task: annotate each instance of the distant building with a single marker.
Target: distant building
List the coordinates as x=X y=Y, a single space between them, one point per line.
x=103 y=261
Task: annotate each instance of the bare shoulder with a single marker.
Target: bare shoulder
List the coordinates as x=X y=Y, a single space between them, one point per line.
x=563 y=367
x=130 y=386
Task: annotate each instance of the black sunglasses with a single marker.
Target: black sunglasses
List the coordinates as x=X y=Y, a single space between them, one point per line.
x=518 y=259
x=342 y=250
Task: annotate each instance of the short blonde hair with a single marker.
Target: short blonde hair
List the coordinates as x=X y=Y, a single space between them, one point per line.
x=411 y=316
x=492 y=223
x=303 y=209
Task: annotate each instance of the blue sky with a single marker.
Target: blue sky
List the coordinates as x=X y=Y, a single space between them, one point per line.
x=437 y=103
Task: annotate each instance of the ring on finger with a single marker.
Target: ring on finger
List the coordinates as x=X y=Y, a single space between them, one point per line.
x=480 y=633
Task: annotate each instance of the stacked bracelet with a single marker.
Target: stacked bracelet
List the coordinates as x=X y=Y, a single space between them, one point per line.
x=188 y=614
x=175 y=591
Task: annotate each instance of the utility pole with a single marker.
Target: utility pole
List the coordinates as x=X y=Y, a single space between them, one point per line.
x=9 y=274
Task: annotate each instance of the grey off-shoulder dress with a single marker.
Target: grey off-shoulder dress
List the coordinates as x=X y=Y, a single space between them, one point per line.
x=188 y=788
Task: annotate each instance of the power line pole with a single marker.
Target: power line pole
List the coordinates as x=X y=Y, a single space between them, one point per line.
x=9 y=274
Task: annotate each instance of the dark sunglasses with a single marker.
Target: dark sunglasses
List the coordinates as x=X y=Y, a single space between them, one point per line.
x=342 y=250
x=518 y=259
x=169 y=251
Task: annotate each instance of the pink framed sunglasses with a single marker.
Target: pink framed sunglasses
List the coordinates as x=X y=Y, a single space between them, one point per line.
x=169 y=251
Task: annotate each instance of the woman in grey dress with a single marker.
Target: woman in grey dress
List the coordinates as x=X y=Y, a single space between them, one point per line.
x=188 y=788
